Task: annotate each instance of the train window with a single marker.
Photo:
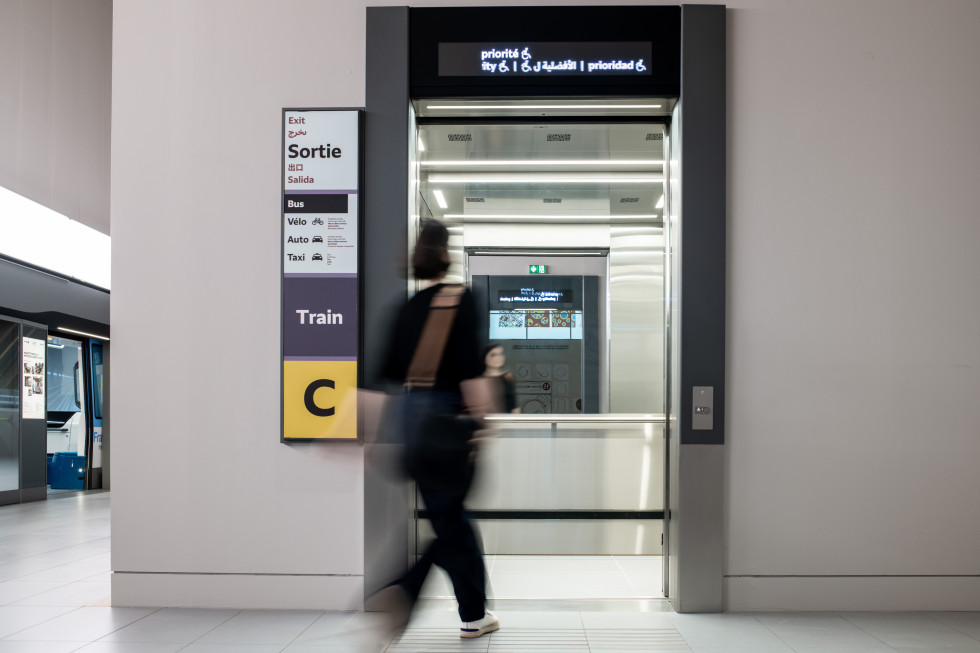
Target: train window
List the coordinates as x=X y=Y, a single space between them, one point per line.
x=64 y=362
x=97 y=379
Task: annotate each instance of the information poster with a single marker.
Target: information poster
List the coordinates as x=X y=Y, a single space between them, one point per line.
x=321 y=176
x=34 y=379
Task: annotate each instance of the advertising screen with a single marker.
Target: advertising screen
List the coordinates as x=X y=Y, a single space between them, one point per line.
x=34 y=379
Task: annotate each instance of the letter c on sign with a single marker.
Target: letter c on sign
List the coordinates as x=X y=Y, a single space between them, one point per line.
x=308 y=398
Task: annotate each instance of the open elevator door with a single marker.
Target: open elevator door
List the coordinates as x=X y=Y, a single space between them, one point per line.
x=557 y=222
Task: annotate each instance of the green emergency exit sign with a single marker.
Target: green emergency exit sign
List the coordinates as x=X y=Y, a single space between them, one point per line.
x=537 y=269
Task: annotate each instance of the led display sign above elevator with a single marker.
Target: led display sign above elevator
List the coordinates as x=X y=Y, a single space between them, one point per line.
x=546 y=58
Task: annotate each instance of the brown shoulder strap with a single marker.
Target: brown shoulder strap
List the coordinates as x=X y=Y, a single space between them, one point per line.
x=432 y=344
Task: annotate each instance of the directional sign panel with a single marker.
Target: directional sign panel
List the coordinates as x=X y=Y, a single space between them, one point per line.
x=320 y=221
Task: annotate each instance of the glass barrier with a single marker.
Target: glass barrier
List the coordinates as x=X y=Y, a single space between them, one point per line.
x=9 y=405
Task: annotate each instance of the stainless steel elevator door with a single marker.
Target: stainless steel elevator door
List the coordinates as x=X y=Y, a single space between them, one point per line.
x=583 y=198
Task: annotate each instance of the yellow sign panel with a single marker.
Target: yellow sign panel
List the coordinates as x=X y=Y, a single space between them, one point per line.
x=319 y=400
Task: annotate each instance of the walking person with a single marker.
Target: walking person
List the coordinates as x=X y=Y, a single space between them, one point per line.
x=434 y=352
x=494 y=360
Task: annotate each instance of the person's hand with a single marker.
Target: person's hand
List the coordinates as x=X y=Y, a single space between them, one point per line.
x=480 y=437
x=479 y=397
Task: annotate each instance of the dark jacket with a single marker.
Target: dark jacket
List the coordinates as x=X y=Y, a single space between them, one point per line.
x=461 y=358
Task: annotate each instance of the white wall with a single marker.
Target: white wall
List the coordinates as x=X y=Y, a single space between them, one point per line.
x=853 y=338
x=201 y=484
x=853 y=318
x=54 y=107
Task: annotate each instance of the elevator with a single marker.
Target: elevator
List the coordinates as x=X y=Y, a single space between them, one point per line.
x=556 y=215
x=565 y=185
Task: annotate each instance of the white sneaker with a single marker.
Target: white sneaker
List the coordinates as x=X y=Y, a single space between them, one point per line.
x=487 y=624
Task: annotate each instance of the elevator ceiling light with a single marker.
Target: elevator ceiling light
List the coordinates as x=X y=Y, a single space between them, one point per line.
x=544 y=178
x=82 y=333
x=440 y=199
x=660 y=204
x=548 y=162
x=519 y=107
x=544 y=217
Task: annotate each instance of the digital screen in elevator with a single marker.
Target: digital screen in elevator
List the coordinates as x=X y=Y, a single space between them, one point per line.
x=536 y=324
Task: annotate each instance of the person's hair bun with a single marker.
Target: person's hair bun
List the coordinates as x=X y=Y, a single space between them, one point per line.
x=431 y=256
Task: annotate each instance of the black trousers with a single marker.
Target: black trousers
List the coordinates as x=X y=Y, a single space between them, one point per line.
x=456 y=549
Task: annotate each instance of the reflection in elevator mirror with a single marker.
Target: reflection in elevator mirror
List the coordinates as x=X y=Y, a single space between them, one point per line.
x=540 y=321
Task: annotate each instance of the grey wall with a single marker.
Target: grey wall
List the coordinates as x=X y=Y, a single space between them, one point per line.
x=56 y=73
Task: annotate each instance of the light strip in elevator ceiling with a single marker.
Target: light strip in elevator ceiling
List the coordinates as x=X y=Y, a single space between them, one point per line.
x=550 y=162
x=545 y=217
x=481 y=107
x=531 y=178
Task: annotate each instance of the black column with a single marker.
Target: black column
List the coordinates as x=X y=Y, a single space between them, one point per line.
x=383 y=246
x=703 y=212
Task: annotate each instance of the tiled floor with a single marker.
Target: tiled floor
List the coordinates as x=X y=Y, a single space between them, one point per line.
x=54 y=598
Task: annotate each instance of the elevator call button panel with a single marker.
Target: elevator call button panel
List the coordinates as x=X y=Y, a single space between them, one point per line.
x=703 y=418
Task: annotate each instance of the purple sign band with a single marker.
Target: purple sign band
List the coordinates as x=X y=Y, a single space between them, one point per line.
x=305 y=191
x=320 y=358
x=319 y=317
x=318 y=275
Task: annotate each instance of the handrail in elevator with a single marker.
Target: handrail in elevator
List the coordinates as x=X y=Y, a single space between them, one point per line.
x=592 y=418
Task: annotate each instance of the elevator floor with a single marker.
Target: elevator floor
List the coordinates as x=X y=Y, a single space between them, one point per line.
x=563 y=577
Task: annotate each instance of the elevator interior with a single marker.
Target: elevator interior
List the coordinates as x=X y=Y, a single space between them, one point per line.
x=577 y=189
